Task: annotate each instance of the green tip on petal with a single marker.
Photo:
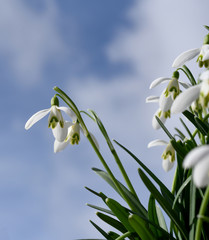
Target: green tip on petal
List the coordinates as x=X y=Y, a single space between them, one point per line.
x=55 y=101
x=175 y=75
x=206 y=39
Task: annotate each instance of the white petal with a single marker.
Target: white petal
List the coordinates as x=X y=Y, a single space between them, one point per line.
x=158 y=81
x=185 y=99
x=152 y=99
x=36 y=117
x=157 y=142
x=205 y=76
x=165 y=102
x=59 y=146
x=167 y=165
x=69 y=112
x=201 y=172
x=155 y=123
x=60 y=133
x=185 y=56
x=205 y=52
x=196 y=155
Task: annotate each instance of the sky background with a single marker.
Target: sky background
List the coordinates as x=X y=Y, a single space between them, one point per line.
x=104 y=54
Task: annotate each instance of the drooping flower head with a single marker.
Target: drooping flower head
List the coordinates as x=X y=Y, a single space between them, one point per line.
x=73 y=137
x=55 y=119
x=168 y=155
x=203 y=58
x=166 y=99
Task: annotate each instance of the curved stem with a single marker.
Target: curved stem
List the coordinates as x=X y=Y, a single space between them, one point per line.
x=203 y=208
x=127 y=234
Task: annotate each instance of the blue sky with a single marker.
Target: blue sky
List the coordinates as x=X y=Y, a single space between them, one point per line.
x=104 y=54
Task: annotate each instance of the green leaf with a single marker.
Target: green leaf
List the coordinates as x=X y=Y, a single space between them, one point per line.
x=101 y=231
x=180 y=190
x=192 y=210
x=100 y=209
x=141 y=227
x=120 y=212
x=161 y=219
x=189 y=75
x=164 y=128
x=113 y=235
x=101 y=195
x=152 y=214
x=182 y=136
x=135 y=203
x=202 y=126
x=112 y=222
x=164 y=204
x=188 y=131
x=157 y=180
x=191 y=117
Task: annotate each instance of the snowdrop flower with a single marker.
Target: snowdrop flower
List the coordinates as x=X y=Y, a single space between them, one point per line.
x=168 y=155
x=162 y=116
x=198 y=159
x=55 y=120
x=198 y=92
x=73 y=137
x=159 y=113
x=203 y=57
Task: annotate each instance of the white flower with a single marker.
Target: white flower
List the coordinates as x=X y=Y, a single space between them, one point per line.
x=162 y=116
x=166 y=99
x=186 y=98
x=168 y=155
x=198 y=159
x=55 y=120
x=73 y=137
x=203 y=57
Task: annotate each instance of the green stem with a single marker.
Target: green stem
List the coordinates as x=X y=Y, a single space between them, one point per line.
x=203 y=208
x=109 y=171
x=127 y=234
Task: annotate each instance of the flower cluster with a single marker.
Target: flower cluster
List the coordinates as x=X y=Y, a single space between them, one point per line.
x=195 y=99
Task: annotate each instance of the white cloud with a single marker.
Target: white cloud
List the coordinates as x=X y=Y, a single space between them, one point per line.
x=160 y=31
x=29 y=39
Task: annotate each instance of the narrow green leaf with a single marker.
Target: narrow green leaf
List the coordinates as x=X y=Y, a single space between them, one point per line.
x=180 y=133
x=101 y=231
x=188 y=131
x=202 y=126
x=161 y=219
x=101 y=195
x=139 y=208
x=100 y=209
x=164 y=128
x=192 y=210
x=191 y=118
x=112 y=222
x=164 y=204
x=157 y=180
x=152 y=214
x=113 y=235
x=120 y=212
x=141 y=227
x=189 y=75
x=180 y=190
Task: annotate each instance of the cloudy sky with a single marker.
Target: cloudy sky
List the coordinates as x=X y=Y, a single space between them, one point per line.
x=104 y=54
